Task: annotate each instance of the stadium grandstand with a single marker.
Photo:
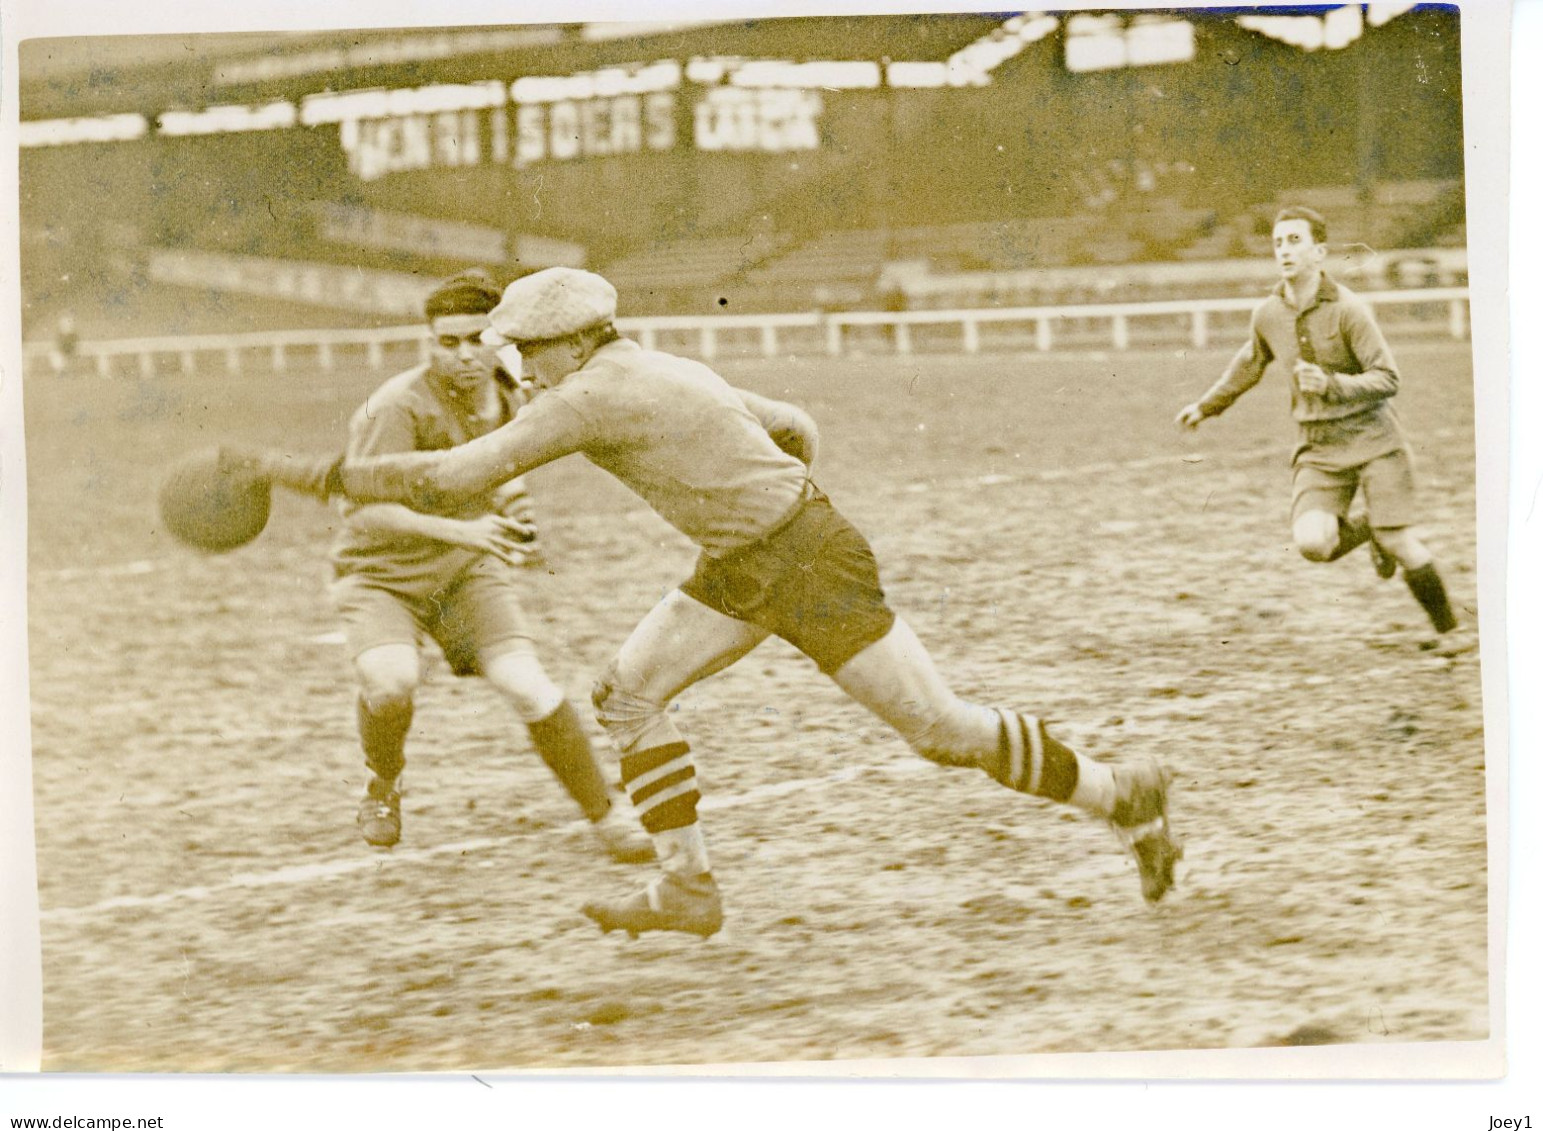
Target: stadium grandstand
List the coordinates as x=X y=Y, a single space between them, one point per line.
x=229 y=183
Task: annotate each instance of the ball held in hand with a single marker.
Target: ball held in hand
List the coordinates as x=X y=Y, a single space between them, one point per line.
x=214 y=504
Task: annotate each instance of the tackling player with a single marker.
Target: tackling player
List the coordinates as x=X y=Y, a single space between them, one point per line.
x=446 y=573
x=1343 y=380
x=730 y=469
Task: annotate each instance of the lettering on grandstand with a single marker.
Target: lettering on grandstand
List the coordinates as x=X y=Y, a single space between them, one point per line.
x=377 y=146
x=762 y=121
x=725 y=119
x=594 y=127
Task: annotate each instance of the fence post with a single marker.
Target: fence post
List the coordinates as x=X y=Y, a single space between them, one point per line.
x=1457 y=318
x=768 y=340
x=1042 y=339
x=971 y=335
x=709 y=343
x=232 y=360
x=902 y=337
x=647 y=338
x=146 y=364
x=278 y=357
x=104 y=365
x=1200 y=329
x=374 y=354
x=187 y=363
x=324 y=356
x=1120 y=328
x=833 y=337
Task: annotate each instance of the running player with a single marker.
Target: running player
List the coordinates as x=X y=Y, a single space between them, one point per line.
x=448 y=574
x=730 y=469
x=1343 y=380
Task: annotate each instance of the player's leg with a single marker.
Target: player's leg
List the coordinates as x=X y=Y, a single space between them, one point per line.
x=382 y=633
x=388 y=675
x=555 y=729
x=833 y=609
x=895 y=678
x=1321 y=525
x=1391 y=503
x=558 y=734
x=1421 y=574
x=482 y=628
x=678 y=643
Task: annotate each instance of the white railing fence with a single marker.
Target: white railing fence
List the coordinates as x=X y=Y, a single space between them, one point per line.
x=1117 y=326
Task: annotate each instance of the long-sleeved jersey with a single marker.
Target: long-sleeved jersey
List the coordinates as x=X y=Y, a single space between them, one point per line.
x=413 y=413
x=700 y=452
x=1350 y=422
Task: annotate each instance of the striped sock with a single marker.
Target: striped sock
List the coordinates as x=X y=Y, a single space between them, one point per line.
x=662 y=785
x=1030 y=761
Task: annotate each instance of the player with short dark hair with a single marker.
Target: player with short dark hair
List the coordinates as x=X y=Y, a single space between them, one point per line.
x=730 y=469
x=1349 y=440
x=447 y=573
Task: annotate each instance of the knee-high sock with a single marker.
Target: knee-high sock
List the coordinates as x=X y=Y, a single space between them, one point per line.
x=659 y=775
x=896 y=680
x=564 y=747
x=383 y=734
x=662 y=784
x=1030 y=761
x=1428 y=589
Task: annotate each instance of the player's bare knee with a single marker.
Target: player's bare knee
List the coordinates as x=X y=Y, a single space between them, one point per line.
x=384 y=689
x=388 y=676
x=519 y=677
x=616 y=704
x=1316 y=536
x=387 y=696
x=633 y=719
x=600 y=693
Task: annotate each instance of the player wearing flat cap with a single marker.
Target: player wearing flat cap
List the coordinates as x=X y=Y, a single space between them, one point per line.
x=730 y=469
x=1343 y=381
x=447 y=573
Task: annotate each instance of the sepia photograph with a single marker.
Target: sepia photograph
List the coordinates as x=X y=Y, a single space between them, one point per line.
x=919 y=543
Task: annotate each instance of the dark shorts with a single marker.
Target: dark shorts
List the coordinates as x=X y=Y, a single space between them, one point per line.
x=813 y=581
x=476 y=617
x=1387 y=482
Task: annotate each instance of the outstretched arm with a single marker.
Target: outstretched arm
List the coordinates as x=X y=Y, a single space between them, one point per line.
x=1242 y=374
x=790 y=427
x=545 y=430
x=425 y=481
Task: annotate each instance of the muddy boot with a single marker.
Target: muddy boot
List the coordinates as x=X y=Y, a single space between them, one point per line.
x=668 y=903
x=1140 y=819
x=380 y=814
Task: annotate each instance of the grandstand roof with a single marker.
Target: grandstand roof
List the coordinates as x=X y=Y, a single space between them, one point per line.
x=150 y=73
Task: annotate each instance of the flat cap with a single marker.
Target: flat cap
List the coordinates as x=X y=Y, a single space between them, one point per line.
x=551 y=304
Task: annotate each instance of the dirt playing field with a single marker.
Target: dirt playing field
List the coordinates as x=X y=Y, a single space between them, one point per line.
x=208 y=904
